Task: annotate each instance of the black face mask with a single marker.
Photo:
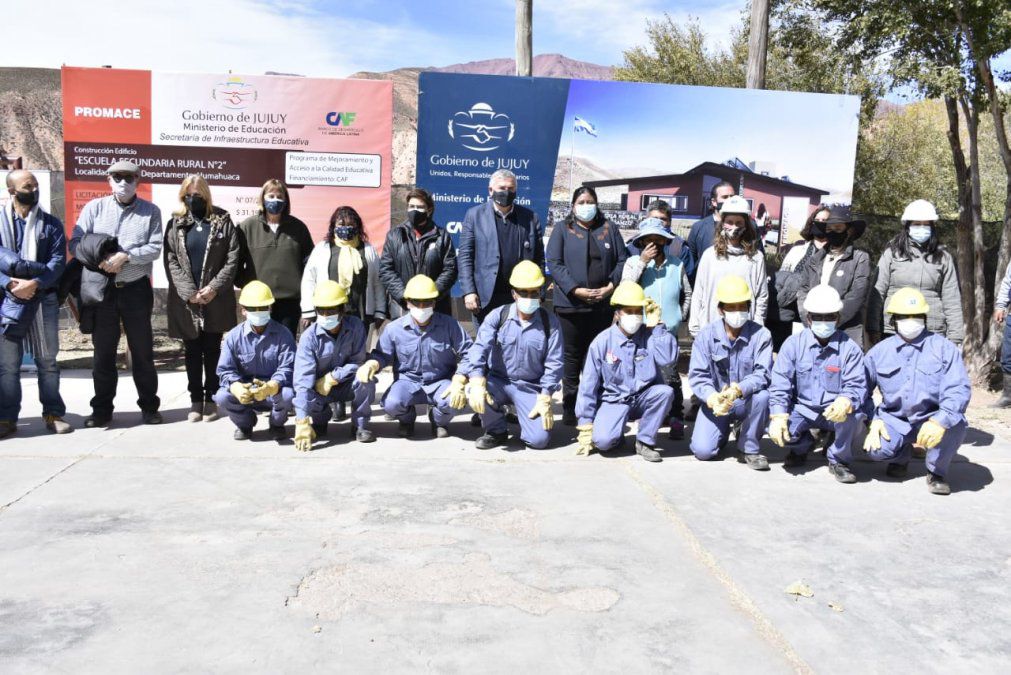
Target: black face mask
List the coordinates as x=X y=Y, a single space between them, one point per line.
x=836 y=239
x=197 y=205
x=504 y=197
x=27 y=198
x=418 y=219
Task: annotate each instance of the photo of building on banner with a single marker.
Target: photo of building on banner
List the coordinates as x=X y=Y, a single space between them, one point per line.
x=329 y=141
x=634 y=143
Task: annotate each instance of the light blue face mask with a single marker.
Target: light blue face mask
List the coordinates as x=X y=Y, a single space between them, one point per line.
x=823 y=329
x=329 y=322
x=585 y=212
x=258 y=319
x=528 y=305
x=920 y=233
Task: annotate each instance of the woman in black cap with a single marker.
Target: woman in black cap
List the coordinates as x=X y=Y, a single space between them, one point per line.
x=841 y=266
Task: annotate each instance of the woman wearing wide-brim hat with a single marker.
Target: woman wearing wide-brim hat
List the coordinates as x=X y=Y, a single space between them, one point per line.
x=843 y=267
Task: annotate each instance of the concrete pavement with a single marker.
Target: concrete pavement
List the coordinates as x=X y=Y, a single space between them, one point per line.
x=174 y=548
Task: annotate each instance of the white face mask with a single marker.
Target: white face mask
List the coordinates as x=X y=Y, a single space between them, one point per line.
x=528 y=305
x=823 y=329
x=585 y=212
x=329 y=322
x=736 y=319
x=422 y=314
x=630 y=323
x=124 y=191
x=910 y=328
x=258 y=319
x=920 y=233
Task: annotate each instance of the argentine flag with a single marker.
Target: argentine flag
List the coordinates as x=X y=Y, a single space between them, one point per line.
x=582 y=125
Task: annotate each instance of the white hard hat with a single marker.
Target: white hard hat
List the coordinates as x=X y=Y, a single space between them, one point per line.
x=822 y=299
x=921 y=209
x=735 y=204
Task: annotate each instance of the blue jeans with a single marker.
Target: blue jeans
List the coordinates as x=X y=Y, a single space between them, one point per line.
x=11 y=353
x=1005 y=350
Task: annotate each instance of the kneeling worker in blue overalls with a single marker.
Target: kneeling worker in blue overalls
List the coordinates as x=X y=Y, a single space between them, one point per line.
x=516 y=359
x=818 y=382
x=328 y=356
x=622 y=379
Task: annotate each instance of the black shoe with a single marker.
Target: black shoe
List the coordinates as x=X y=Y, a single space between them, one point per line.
x=321 y=429
x=95 y=420
x=937 y=485
x=646 y=452
x=440 y=432
x=152 y=417
x=677 y=429
x=492 y=440
x=365 y=436
x=475 y=420
x=277 y=433
x=756 y=461
x=897 y=470
x=340 y=411
x=569 y=418
x=842 y=473
x=795 y=459
x=241 y=434
x=405 y=429
x=1005 y=398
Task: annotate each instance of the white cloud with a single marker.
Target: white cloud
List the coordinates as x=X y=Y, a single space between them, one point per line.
x=244 y=36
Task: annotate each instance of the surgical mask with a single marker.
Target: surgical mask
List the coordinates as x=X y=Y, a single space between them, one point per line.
x=835 y=239
x=273 y=206
x=732 y=232
x=124 y=191
x=910 y=328
x=585 y=212
x=422 y=314
x=345 y=232
x=528 y=305
x=736 y=319
x=920 y=233
x=823 y=329
x=197 y=205
x=27 y=198
x=258 y=319
x=504 y=197
x=630 y=323
x=329 y=321
x=417 y=218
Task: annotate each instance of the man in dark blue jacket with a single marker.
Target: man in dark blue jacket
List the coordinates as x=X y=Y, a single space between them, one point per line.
x=496 y=236
x=701 y=235
x=34 y=236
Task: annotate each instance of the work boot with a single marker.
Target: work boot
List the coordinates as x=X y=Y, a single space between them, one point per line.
x=437 y=431
x=7 y=428
x=278 y=433
x=841 y=472
x=210 y=411
x=241 y=434
x=937 y=485
x=677 y=429
x=795 y=459
x=151 y=417
x=1005 y=398
x=896 y=470
x=95 y=420
x=756 y=461
x=405 y=429
x=56 y=424
x=492 y=440
x=196 y=412
x=365 y=436
x=646 y=452
x=340 y=411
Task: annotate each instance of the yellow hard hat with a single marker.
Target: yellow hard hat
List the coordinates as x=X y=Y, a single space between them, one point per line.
x=628 y=294
x=907 y=301
x=329 y=294
x=731 y=289
x=256 y=294
x=421 y=287
x=526 y=274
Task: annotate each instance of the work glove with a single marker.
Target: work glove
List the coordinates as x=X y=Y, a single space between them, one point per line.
x=325 y=384
x=304 y=434
x=779 y=429
x=875 y=433
x=653 y=314
x=543 y=408
x=584 y=440
x=732 y=392
x=367 y=371
x=266 y=390
x=838 y=410
x=242 y=392
x=719 y=404
x=477 y=395
x=930 y=434
x=455 y=392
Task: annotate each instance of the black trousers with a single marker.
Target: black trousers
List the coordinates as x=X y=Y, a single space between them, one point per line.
x=672 y=378
x=202 y=354
x=578 y=331
x=287 y=312
x=130 y=305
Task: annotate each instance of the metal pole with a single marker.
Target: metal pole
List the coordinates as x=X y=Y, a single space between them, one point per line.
x=758 y=44
x=524 y=38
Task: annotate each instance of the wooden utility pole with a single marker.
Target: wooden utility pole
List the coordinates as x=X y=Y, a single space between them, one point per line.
x=524 y=38
x=758 y=43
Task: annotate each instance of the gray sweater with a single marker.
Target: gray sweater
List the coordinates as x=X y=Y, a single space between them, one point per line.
x=710 y=270
x=937 y=281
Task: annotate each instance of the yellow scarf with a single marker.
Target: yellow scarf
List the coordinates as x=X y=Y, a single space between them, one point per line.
x=349 y=261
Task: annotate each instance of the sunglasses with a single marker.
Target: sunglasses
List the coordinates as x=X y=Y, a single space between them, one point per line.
x=123 y=177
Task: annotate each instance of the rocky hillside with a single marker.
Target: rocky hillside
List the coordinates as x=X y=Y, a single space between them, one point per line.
x=31 y=116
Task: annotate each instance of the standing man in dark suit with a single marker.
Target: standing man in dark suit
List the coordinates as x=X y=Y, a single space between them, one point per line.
x=701 y=235
x=496 y=236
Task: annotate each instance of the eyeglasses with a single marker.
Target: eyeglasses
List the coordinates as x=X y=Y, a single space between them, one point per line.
x=123 y=177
